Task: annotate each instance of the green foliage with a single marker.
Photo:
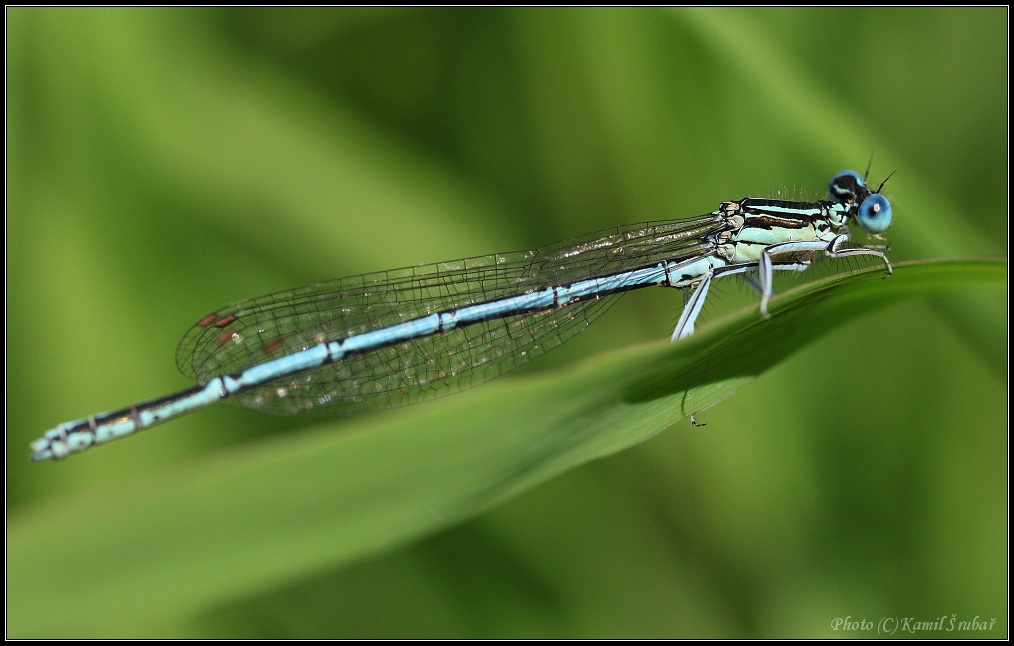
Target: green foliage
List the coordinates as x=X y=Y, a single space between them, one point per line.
x=163 y=162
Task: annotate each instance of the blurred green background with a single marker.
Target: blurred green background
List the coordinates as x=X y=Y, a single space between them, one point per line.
x=164 y=162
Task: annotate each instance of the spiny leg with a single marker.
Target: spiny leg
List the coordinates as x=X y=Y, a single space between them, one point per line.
x=692 y=308
x=831 y=250
x=754 y=284
x=693 y=305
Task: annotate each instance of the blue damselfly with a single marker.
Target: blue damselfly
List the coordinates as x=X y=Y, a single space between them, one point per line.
x=395 y=337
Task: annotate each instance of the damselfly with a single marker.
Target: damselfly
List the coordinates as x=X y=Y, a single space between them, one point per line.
x=395 y=337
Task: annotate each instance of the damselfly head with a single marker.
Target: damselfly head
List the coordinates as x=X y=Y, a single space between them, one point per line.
x=873 y=214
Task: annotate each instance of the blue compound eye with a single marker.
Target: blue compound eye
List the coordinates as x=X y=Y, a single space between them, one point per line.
x=874 y=214
x=846 y=186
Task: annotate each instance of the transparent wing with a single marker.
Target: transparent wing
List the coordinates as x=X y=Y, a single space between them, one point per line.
x=260 y=329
